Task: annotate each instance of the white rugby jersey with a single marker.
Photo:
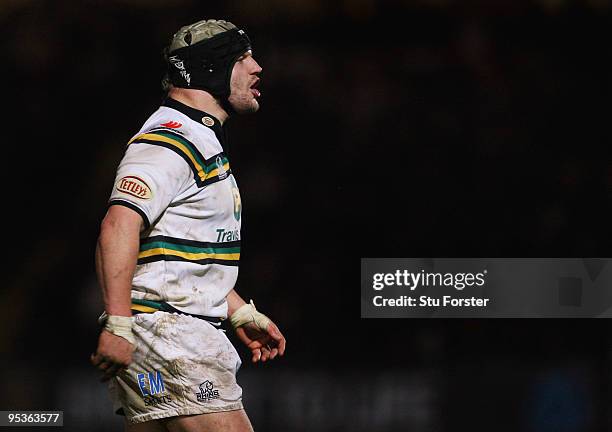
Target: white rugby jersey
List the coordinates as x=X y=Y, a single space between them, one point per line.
x=176 y=175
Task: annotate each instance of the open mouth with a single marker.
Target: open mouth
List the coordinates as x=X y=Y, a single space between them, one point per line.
x=256 y=93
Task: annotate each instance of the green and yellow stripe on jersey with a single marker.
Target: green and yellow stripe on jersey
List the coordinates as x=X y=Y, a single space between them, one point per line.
x=163 y=248
x=205 y=171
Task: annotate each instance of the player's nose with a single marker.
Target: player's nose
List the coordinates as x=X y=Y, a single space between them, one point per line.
x=255 y=68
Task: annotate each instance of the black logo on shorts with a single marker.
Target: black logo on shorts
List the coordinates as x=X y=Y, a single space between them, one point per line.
x=207 y=392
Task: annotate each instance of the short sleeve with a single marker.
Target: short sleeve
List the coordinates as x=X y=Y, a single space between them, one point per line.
x=148 y=179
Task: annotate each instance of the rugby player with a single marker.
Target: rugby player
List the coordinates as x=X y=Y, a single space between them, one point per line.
x=168 y=251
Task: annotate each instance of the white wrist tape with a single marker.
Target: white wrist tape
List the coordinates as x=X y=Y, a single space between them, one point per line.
x=120 y=326
x=248 y=314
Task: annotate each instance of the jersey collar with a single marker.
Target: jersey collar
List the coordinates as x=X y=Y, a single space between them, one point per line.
x=201 y=117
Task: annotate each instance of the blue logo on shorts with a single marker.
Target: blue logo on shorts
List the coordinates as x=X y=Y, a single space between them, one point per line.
x=151 y=386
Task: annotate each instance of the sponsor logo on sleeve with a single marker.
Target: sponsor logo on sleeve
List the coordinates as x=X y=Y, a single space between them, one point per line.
x=134 y=186
x=172 y=125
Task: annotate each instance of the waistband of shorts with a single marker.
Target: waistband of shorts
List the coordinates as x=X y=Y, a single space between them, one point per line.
x=150 y=306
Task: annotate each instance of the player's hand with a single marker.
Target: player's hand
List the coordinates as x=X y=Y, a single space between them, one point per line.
x=114 y=353
x=264 y=344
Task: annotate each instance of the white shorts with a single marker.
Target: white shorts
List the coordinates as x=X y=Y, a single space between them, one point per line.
x=181 y=366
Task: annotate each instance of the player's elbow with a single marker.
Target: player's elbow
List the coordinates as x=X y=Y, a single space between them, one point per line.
x=108 y=227
x=109 y=231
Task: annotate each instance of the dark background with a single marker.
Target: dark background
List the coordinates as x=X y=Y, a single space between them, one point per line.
x=431 y=128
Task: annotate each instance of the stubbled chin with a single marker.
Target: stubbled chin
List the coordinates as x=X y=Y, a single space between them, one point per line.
x=247 y=108
x=252 y=109
x=244 y=105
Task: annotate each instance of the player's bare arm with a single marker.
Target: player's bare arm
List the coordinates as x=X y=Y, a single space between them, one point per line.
x=179 y=274
x=254 y=329
x=116 y=255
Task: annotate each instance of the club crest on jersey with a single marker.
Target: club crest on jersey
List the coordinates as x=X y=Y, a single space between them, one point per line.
x=237 y=200
x=220 y=168
x=135 y=187
x=172 y=125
